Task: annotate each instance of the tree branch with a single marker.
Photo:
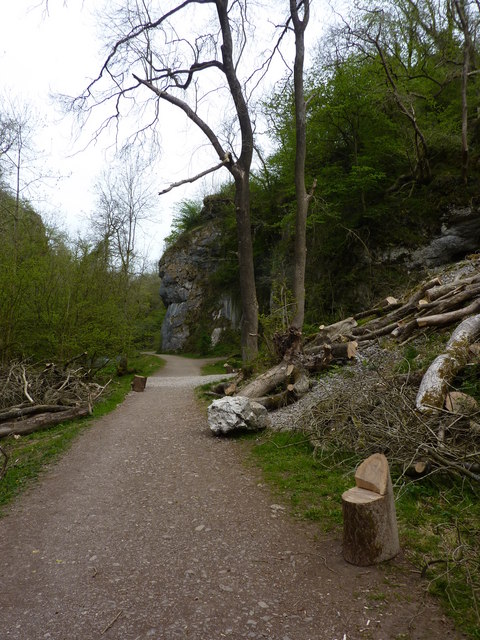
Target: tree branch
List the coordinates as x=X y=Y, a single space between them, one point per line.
x=174 y=185
x=189 y=112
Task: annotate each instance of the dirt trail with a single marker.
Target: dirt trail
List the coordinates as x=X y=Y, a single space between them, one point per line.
x=151 y=528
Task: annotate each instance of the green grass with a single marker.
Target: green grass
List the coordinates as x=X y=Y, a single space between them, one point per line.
x=31 y=454
x=311 y=488
x=213 y=368
x=439 y=522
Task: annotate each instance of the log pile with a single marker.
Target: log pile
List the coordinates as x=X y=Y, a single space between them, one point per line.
x=34 y=398
x=419 y=418
x=433 y=304
x=288 y=381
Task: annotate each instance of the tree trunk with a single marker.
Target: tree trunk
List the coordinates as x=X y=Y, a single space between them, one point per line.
x=463 y=16
x=300 y=245
x=241 y=173
x=266 y=382
x=42 y=421
x=246 y=269
x=436 y=381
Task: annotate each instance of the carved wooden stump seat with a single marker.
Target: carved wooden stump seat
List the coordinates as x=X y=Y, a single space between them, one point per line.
x=370 y=533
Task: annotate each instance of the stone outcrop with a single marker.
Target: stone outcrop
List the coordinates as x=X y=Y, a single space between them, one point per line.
x=459 y=235
x=231 y=414
x=185 y=269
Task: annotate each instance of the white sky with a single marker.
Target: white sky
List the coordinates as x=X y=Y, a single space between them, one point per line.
x=42 y=55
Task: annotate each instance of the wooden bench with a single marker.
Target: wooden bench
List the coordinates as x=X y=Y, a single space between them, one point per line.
x=370 y=533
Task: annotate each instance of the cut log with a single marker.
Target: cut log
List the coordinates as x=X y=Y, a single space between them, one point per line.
x=266 y=382
x=381 y=308
x=436 y=381
x=42 y=421
x=444 y=319
x=418 y=469
x=377 y=333
x=19 y=412
x=337 y=350
x=138 y=383
x=335 y=331
x=374 y=327
x=445 y=289
x=344 y=350
x=452 y=301
x=292 y=393
x=370 y=533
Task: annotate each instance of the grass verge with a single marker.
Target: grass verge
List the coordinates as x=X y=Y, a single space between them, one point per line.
x=439 y=521
x=31 y=454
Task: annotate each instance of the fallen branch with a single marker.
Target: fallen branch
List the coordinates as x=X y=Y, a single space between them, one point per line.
x=25 y=386
x=42 y=421
x=20 y=412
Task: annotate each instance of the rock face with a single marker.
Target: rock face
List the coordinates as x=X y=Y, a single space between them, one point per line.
x=236 y=413
x=460 y=235
x=185 y=269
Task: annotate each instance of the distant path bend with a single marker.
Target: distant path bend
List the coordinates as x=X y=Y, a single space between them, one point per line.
x=151 y=528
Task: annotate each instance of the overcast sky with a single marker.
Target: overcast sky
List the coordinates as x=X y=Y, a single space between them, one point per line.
x=42 y=55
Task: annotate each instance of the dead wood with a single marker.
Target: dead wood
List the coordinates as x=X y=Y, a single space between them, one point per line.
x=338 y=350
x=268 y=381
x=446 y=289
x=20 y=412
x=333 y=332
x=444 y=319
x=452 y=301
x=377 y=413
x=377 y=327
x=287 y=344
x=436 y=381
x=418 y=469
x=42 y=421
x=386 y=306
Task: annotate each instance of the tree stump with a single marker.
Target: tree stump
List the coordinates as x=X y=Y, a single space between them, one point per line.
x=138 y=383
x=370 y=533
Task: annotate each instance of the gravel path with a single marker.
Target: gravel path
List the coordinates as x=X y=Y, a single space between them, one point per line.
x=151 y=528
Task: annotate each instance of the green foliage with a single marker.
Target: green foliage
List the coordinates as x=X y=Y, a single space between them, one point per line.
x=59 y=299
x=188 y=216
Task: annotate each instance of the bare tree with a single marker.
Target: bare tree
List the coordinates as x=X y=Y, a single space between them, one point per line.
x=161 y=55
x=125 y=199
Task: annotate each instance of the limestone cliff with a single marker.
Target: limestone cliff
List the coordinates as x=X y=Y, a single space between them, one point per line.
x=194 y=308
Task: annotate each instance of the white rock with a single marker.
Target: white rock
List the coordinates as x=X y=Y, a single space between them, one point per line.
x=236 y=413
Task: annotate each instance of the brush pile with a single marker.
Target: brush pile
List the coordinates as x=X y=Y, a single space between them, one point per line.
x=33 y=397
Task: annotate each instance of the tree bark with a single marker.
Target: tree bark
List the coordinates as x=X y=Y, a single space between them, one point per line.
x=460 y=8
x=42 y=421
x=241 y=173
x=370 y=533
x=300 y=244
x=436 y=381
x=249 y=326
